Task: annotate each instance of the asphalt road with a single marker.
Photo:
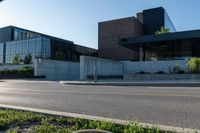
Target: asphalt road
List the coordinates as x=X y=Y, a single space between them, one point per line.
x=172 y=106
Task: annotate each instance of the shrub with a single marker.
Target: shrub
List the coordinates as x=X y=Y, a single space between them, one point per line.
x=194 y=65
x=162 y=30
x=27 y=59
x=160 y=72
x=178 y=70
x=21 y=72
x=143 y=72
x=16 y=59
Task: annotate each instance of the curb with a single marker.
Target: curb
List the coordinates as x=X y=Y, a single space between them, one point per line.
x=156 y=84
x=89 y=117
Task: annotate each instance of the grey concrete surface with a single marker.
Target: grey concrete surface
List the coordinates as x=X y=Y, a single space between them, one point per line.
x=107 y=67
x=57 y=70
x=172 y=106
x=154 y=66
x=103 y=67
x=152 y=83
x=139 y=77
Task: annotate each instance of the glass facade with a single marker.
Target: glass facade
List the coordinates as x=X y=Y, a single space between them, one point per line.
x=169 y=24
x=173 y=49
x=20 y=34
x=37 y=47
x=14 y=40
x=1 y=52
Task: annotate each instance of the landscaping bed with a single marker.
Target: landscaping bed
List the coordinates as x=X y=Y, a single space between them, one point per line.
x=143 y=77
x=24 y=72
x=12 y=121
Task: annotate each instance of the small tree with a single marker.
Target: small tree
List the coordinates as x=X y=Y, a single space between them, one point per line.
x=27 y=59
x=162 y=30
x=60 y=56
x=194 y=65
x=16 y=59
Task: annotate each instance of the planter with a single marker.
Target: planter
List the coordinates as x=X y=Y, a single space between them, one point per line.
x=92 y=131
x=161 y=76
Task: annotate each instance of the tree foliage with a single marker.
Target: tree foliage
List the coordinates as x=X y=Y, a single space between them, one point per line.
x=194 y=65
x=16 y=59
x=27 y=59
x=162 y=30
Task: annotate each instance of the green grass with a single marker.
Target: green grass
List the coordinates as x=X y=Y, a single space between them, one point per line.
x=13 y=121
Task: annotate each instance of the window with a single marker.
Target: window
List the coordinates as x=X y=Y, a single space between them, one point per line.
x=25 y=47
x=8 y=48
x=20 y=34
x=37 y=47
x=13 y=48
x=1 y=52
x=31 y=46
x=169 y=24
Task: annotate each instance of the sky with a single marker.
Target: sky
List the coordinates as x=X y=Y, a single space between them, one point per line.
x=77 y=20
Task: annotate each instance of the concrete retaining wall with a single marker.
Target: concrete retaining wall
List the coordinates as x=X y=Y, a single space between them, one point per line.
x=115 y=68
x=14 y=67
x=160 y=76
x=153 y=66
x=57 y=70
x=104 y=67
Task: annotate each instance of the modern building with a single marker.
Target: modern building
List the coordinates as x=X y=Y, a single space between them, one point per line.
x=15 y=40
x=135 y=38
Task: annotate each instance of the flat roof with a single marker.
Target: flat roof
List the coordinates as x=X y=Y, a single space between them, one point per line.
x=135 y=41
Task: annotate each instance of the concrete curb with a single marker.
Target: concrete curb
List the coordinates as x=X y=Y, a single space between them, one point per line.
x=156 y=84
x=89 y=117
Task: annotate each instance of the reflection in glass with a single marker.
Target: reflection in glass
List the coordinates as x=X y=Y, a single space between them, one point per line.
x=37 y=47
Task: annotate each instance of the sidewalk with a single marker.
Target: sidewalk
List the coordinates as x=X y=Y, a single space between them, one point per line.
x=164 y=83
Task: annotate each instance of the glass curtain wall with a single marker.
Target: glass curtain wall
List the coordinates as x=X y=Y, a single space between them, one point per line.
x=37 y=47
x=168 y=23
x=20 y=34
x=1 y=52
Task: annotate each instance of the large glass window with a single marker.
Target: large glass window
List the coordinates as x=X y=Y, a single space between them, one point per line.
x=31 y=46
x=20 y=34
x=37 y=47
x=13 y=48
x=169 y=24
x=1 y=52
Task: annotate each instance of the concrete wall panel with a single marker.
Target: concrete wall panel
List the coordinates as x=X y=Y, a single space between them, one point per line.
x=153 y=66
x=57 y=70
x=104 y=67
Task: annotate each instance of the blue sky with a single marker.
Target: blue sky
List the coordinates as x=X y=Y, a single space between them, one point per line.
x=77 y=20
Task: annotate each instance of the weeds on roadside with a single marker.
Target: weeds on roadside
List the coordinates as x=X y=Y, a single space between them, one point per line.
x=13 y=122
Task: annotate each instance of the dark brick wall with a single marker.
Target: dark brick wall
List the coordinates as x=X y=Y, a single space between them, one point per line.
x=109 y=34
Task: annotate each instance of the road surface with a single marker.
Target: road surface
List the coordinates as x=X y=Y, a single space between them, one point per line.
x=171 y=106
